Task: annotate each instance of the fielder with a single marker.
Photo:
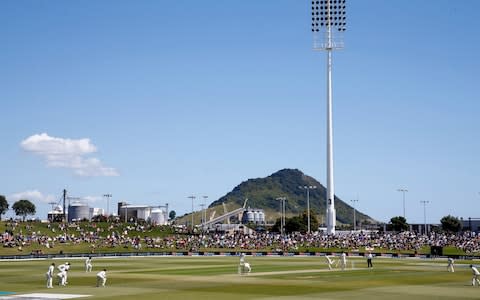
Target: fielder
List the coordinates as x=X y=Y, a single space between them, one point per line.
x=246 y=267
x=49 y=276
x=102 y=278
x=476 y=274
x=343 y=261
x=88 y=264
x=243 y=266
x=62 y=274
x=329 y=261
x=450 y=265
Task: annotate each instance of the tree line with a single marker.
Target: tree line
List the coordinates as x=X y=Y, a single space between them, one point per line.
x=22 y=207
x=299 y=224
x=449 y=223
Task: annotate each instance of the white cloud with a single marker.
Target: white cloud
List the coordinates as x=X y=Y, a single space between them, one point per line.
x=32 y=196
x=67 y=153
x=39 y=198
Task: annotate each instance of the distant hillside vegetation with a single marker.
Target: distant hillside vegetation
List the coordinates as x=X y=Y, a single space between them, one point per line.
x=262 y=193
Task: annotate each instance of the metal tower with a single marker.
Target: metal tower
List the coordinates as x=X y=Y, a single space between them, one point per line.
x=328 y=25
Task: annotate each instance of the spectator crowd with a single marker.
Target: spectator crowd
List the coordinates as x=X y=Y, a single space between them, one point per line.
x=137 y=236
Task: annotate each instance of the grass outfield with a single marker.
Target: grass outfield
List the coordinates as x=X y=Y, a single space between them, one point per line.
x=271 y=278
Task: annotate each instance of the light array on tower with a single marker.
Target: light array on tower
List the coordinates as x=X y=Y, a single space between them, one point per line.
x=328 y=13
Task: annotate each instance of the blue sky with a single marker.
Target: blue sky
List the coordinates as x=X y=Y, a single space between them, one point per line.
x=153 y=101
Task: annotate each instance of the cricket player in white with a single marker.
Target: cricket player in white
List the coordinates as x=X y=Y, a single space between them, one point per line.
x=102 y=278
x=369 y=260
x=246 y=267
x=343 y=261
x=476 y=274
x=329 y=261
x=49 y=276
x=451 y=262
x=67 y=267
x=243 y=266
x=62 y=274
x=88 y=264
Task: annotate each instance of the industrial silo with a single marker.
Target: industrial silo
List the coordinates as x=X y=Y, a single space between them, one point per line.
x=78 y=211
x=261 y=217
x=250 y=217
x=255 y=217
x=143 y=212
x=157 y=217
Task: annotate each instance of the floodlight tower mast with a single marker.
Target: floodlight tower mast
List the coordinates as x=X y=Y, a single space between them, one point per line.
x=328 y=15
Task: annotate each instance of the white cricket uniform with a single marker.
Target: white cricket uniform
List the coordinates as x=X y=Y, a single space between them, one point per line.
x=101 y=278
x=243 y=266
x=67 y=267
x=476 y=275
x=242 y=259
x=343 y=261
x=450 y=265
x=241 y=263
x=329 y=262
x=62 y=274
x=49 y=276
x=88 y=264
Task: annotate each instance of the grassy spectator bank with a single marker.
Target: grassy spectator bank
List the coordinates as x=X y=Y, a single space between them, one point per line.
x=36 y=238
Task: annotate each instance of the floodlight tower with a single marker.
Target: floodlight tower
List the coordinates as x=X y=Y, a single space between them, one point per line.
x=308 y=188
x=425 y=202
x=354 y=215
x=403 y=190
x=328 y=25
x=204 y=211
x=282 y=211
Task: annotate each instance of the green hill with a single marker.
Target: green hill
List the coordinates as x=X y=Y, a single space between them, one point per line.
x=262 y=193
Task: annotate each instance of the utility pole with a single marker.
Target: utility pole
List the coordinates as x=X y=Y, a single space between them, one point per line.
x=202 y=206
x=192 y=197
x=204 y=210
x=282 y=211
x=354 y=215
x=64 y=219
x=308 y=188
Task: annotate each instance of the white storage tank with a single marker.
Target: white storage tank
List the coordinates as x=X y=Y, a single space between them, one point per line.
x=78 y=211
x=255 y=217
x=250 y=216
x=157 y=217
x=143 y=212
x=261 y=217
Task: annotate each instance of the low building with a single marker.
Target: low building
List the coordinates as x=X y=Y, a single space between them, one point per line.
x=155 y=214
x=56 y=214
x=470 y=224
